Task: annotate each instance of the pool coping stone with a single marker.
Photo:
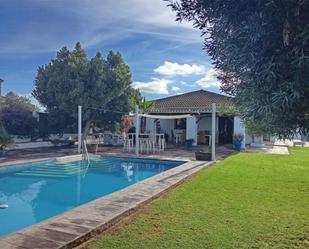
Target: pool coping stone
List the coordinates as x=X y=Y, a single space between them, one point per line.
x=76 y=226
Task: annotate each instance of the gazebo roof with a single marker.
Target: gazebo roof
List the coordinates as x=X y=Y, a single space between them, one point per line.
x=193 y=102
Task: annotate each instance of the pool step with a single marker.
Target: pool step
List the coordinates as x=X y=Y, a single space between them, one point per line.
x=58 y=170
x=63 y=170
x=41 y=175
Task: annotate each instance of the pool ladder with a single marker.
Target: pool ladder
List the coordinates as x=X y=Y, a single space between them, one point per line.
x=85 y=156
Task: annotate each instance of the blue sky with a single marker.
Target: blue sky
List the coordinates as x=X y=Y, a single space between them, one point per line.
x=165 y=57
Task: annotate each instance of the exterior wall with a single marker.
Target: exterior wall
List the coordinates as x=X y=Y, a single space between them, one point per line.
x=191 y=131
x=150 y=125
x=205 y=124
x=166 y=126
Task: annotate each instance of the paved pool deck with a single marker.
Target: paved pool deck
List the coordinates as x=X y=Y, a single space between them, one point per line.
x=36 y=154
x=269 y=149
x=78 y=225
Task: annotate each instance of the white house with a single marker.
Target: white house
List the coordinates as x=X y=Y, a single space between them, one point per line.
x=198 y=125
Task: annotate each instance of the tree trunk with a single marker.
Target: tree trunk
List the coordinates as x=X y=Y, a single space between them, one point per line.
x=86 y=130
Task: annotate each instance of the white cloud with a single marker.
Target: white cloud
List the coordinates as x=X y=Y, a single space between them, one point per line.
x=176 y=69
x=187 y=84
x=155 y=86
x=94 y=22
x=175 y=88
x=210 y=79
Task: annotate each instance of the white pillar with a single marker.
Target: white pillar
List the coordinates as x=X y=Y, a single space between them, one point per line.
x=239 y=128
x=79 y=128
x=213 y=133
x=191 y=131
x=137 y=126
x=244 y=140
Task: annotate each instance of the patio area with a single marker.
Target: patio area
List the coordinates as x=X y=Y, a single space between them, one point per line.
x=170 y=153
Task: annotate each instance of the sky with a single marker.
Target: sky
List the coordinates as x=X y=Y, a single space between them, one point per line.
x=166 y=57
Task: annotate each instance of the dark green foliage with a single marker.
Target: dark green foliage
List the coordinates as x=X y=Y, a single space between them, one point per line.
x=16 y=115
x=17 y=121
x=5 y=139
x=16 y=101
x=261 y=50
x=71 y=79
x=229 y=110
x=145 y=106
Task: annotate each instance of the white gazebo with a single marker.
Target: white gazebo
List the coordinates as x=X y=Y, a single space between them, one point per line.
x=191 y=131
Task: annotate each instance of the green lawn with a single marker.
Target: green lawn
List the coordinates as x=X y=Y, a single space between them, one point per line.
x=249 y=200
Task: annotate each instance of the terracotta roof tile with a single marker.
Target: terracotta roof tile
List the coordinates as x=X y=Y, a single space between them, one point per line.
x=192 y=102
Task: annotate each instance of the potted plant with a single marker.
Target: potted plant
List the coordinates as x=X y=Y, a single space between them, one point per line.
x=204 y=155
x=237 y=139
x=189 y=142
x=5 y=141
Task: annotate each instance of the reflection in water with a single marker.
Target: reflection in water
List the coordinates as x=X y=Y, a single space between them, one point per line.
x=21 y=206
x=128 y=169
x=27 y=196
x=50 y=188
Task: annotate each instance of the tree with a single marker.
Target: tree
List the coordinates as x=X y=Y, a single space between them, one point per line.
x=16 y=115
x=145 y=106
x=126 y=123
x=16 y=101
x=17 y=121
x=260 y=49
x=101 y=86
x=5 y=140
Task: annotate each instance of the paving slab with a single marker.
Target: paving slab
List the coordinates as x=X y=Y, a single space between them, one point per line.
x=277 y=150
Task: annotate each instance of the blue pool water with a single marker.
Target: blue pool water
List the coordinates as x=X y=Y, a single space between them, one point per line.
x=38 y=191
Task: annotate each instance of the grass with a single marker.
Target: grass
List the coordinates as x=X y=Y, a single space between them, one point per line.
x=249 y=200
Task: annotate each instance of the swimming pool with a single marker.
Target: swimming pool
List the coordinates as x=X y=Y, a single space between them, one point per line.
x=37 y=191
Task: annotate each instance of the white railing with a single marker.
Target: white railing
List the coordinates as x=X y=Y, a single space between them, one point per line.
x=147 y=142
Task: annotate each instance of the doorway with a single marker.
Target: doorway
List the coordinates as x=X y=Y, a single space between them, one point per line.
x=226 y=128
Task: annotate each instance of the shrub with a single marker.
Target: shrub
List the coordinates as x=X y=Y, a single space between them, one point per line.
x=238 y=138
x=5 y=139
x=18 y=121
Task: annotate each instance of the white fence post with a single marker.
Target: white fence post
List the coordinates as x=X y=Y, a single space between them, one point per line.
x=213 y=133
x=79 y=128
x=137 y=126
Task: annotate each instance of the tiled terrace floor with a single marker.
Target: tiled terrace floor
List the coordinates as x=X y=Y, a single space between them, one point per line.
x=172 y=153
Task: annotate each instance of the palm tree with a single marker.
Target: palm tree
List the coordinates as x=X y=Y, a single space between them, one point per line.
x=145 y=106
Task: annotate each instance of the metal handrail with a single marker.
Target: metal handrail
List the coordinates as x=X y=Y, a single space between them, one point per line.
x=85 y=151
x=85 y=155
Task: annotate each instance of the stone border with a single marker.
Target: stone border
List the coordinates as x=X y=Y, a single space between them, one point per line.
x=78 y=225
